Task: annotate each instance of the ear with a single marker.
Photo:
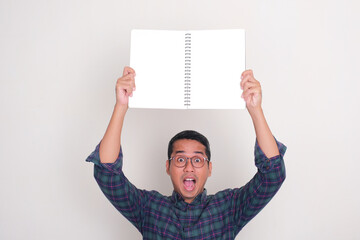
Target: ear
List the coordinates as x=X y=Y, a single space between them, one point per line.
x=168 y=167
x=210 y=168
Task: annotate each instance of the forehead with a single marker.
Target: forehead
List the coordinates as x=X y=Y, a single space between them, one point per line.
x=188 y=146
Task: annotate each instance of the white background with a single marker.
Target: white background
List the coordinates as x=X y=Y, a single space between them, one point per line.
x=59 y=61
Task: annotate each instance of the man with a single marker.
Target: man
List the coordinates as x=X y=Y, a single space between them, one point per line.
x=189 y=213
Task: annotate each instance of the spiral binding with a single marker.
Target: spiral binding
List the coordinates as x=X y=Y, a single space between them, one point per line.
x=187 y=77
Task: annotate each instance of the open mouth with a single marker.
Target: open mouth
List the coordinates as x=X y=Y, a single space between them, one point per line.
x=189 y=184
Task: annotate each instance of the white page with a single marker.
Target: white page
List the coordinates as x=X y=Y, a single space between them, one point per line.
x=157 y=56
x=217 y=61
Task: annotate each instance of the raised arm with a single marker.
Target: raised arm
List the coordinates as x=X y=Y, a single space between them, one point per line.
x=110 y=144
x=251 y=198
x=108 y=159
x=253 y=97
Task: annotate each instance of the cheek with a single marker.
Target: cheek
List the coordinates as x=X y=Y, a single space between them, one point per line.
x=175 y=174
x=203 y=176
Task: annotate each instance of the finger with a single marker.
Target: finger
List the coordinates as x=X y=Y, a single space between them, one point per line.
x=251 y=91
x=129 y=91
x=127 y=70
x=131 y=85
x=247 y=78
x=247 y=72
x=127 y=79
x=123 y=86
x=132 y=81
x=244 y=78
x=248 y=85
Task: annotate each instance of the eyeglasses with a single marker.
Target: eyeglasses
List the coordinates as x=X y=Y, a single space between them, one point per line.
x=196 y=161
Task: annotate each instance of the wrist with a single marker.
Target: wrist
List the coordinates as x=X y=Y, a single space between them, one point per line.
x=121 y=107
x=256 y=113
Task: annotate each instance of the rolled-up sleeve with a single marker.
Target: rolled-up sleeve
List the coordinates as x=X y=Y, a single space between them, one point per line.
x=265 y=164
x=115 y=167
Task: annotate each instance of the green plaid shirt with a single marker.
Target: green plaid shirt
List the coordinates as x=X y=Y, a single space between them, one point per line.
x=218 y=216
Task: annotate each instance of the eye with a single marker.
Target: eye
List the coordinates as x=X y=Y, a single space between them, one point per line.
x=180 y=159
x=197 y=160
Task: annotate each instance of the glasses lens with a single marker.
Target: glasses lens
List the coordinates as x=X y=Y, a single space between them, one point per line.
x=180 y=161
x=197 y=162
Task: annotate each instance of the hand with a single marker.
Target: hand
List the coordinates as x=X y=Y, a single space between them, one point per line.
x=251 y=91
x=125 y=86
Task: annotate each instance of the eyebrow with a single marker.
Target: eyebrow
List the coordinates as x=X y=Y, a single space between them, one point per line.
x=197 y=152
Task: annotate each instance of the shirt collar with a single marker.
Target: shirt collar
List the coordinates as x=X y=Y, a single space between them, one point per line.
x=177 y=199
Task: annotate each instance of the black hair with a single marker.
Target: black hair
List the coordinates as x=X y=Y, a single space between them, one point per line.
x=192 y=135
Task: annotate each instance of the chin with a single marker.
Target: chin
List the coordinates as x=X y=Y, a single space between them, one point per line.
x=190 y=195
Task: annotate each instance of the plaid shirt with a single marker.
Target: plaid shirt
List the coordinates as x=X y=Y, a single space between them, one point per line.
x=219 y=216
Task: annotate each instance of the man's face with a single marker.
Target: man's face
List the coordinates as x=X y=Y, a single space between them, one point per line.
x=188 y=181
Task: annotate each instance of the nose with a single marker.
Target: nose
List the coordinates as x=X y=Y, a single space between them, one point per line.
x=188 y=166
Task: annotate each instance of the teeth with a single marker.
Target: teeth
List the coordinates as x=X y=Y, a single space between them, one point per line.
x=189 y=179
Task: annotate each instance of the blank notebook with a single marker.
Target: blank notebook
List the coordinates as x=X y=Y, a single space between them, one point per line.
x=187 y=69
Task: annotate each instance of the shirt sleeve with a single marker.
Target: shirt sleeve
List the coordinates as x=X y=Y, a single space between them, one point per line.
x=123 y=195
x=249 y=200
